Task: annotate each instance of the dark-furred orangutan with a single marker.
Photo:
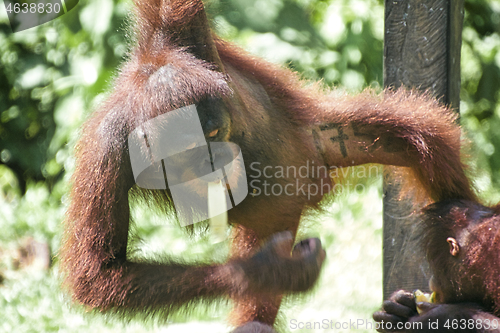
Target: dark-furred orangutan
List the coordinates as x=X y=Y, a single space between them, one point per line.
x=461 y=241
x=175 y=62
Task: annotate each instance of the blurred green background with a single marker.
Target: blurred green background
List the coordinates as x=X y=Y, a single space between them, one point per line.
x=52 y=76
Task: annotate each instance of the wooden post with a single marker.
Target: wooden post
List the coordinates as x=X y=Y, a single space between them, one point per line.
x=421 y=50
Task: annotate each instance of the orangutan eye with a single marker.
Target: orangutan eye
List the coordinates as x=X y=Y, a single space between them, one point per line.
x=213 y=133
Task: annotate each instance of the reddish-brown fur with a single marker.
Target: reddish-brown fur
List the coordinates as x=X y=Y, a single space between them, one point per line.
x=465 y=275
x=473 y=275
x=176 y=61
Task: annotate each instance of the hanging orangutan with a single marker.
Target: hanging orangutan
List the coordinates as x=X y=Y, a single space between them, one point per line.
x=228 y=105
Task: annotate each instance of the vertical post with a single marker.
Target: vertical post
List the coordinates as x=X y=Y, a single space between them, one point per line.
x=422 y=45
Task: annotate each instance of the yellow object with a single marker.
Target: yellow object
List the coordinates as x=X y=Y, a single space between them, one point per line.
x=217 y=211
x=423 y=297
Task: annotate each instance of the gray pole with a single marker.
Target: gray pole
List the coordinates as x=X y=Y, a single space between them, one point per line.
x=422 y=45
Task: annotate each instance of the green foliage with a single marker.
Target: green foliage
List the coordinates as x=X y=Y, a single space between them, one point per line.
x=480 y=107
x=49 y=76
x=340 y=42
